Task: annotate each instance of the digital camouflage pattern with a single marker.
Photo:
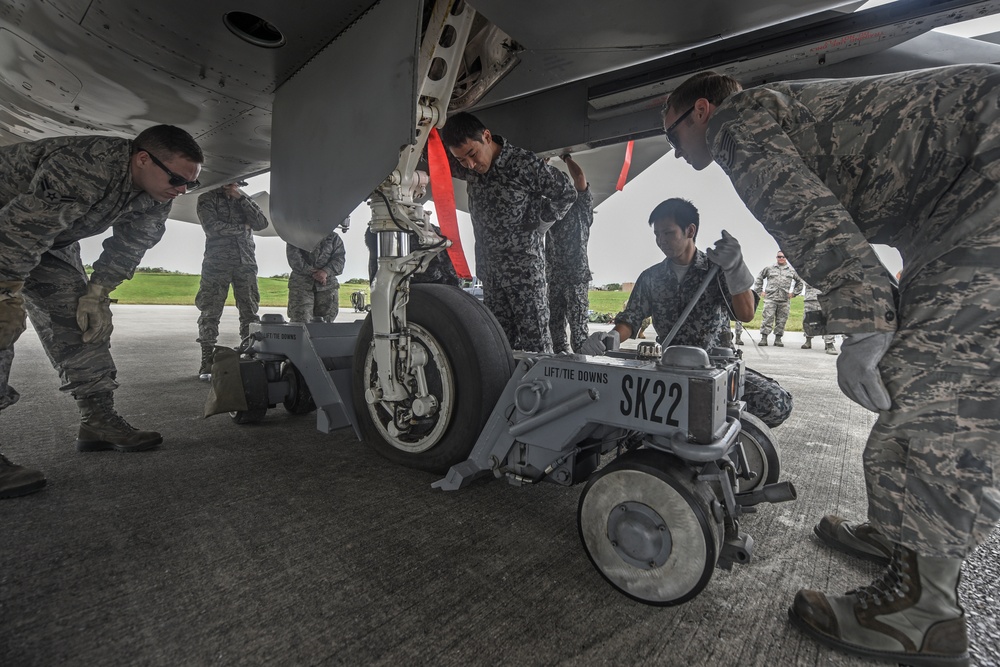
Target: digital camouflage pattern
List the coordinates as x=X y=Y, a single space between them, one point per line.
x=911 y=160
x=53 y=193
x=568 y=273
x=308 y=299
x=810 y=303
x=512 y=205
x=229 y=260
x=780 y=281
x=658 y=293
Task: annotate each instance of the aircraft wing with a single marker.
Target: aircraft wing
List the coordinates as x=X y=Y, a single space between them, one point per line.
x=322 y=94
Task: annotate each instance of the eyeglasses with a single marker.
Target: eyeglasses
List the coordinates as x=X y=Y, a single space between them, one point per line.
x=175 y=180
x=781 y=256
x=671 y=137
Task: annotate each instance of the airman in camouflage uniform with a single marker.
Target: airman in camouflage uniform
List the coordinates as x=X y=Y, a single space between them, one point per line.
x=53 y=193
x=566 y=267
x=665 y=289
x=810 y=304
x=782 y=284
x=229 y=219
x=313 y=289
x=514 y=197
x=911 y=160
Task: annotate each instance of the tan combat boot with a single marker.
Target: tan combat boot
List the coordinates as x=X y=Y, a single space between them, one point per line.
x=777 y=342
x=830 y=349
x=102 y=428
x=808 y=344
x=862 y=541
x=17 y=480
x=763 y=341
x=909 y=615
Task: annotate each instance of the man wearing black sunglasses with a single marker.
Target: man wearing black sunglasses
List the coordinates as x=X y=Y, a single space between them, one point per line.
x=54 y=192
x=911 y=160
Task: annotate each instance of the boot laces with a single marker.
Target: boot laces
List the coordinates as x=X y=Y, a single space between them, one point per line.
x=114 y=419
x=892 y=585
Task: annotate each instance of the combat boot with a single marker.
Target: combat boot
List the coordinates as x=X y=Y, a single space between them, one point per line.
x=830 y=349
x=102 y=428
x=739 y=341
x=17 y=480
x=763 y=341
x=808 y=345
x=205 y=371
x=909 y=615
x=862 y=541
x=777 y=342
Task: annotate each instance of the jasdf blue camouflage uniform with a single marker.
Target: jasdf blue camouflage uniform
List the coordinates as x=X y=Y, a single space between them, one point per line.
x=781 y=280
x=658 y=293
x=229 y=260
x=308 y=299
x=512 y=205
x=53 y=193
x=568 y=273
x=911 y=160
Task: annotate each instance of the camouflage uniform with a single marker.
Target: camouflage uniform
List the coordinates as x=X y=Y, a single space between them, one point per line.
x=568 y=273
x=512 y=205
x=55 y=192
x=658 y=293
x=229 y=259
x=779 y=283
x=810 y=304
x=308 y=300
x=910 y=160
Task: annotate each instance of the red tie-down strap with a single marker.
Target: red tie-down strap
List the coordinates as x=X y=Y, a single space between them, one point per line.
x=444 y=202
x=628 y=163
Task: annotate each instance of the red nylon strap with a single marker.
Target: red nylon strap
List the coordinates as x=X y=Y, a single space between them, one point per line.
x=628 y=162
x=444 y=201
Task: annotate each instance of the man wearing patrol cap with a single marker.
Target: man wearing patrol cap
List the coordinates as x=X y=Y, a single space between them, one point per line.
x=53 y=193
x=911 y=160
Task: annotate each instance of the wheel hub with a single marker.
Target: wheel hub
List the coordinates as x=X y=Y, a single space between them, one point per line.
x=639 y=535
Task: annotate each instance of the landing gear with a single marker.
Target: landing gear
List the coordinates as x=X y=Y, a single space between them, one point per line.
x=761 y=454
x=651 y=528
x=455 y=369
x=248 y=416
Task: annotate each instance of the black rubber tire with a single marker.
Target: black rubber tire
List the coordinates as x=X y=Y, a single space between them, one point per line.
x=248 y=416
x=692 y=535
x=762 y=453
x=472 y=346
x=298 y=401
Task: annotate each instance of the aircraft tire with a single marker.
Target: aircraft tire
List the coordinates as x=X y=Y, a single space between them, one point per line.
x=761 y=451
x=298 y=401
x=469 y=364
x=647 y=525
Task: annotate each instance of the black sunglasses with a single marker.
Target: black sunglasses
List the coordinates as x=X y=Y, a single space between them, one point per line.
x=175 y=180
x=671 y=137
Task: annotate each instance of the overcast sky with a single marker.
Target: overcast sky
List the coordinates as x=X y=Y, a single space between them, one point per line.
x=621 y=243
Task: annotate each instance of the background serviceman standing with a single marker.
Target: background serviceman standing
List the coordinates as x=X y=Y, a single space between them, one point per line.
x=912 y=160
x=53 y=193
x=313 y=289
x=566 y=268
x=810 y=303
x=514 y=197
x=780 y=280
x=229 y=218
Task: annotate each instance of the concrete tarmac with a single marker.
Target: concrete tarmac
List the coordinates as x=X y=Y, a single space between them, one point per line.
x=275 y=544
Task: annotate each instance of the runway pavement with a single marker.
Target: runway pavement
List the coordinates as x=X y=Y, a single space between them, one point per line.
x=274 y=544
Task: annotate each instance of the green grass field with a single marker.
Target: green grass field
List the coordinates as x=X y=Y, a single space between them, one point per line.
x=179 y=290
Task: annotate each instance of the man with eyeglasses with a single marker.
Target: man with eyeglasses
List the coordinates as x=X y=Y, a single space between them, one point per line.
x=53 y=193
x=229 y=219
x=782 y=284
x=911 y=160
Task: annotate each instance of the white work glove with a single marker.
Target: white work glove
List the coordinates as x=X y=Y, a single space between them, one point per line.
x=729 y=257
x=857 y=369
x=594 y=345
x=93 y=313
